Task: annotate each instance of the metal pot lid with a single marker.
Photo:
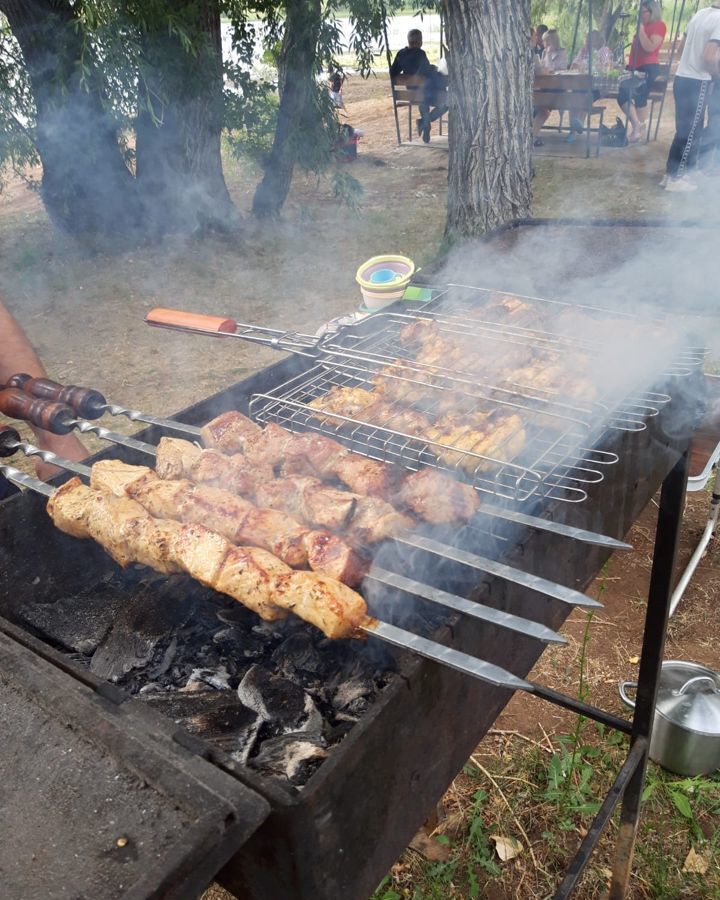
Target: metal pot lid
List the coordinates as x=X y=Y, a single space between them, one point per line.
x=689 y=696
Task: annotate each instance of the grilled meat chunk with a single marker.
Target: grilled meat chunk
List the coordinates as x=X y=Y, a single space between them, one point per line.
x=436 y=498
x=115 y=477
x=229 y=432
x=310 y=500
x=336 y=609
x=175 y=457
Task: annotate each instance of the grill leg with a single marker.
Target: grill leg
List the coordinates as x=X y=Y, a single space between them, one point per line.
x=672 y=501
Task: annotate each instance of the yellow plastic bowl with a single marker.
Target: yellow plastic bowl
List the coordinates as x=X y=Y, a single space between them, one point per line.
x=379 y=294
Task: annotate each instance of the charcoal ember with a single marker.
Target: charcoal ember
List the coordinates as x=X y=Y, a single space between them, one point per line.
x=291 y=756
x=280 y=703
x=297 y=653
x=214 y=715
x=218 y=678
x=354 y=696
x=236 y=614
x=77 y=623
x=148 y=618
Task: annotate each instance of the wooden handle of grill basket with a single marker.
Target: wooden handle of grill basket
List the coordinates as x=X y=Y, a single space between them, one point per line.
x=9 y=439
x=86 y=402
x=189 y=321
x=54 y=417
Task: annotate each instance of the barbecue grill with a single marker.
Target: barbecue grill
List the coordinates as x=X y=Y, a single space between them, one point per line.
x=317 y=842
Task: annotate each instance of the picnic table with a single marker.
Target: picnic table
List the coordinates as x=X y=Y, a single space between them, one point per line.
x=576 y=93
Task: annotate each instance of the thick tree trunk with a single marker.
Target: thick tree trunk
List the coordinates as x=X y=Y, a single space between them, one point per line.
x=298 y=119
x=490 y=67
x=86 y=186
x=179 y=165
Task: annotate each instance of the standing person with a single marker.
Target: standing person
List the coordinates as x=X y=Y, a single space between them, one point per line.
x=644 y=63
x=698 y=65
x=412 y=60
x=17 y=355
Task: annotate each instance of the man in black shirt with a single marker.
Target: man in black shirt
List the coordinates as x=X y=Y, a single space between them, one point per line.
x=412 y=60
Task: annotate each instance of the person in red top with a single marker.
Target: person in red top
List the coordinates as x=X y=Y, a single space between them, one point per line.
x=644 y=63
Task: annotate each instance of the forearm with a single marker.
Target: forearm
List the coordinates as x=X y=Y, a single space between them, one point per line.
x=17 y=355
x=16 y=352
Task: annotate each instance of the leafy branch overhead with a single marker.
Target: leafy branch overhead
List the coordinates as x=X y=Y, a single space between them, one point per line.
x=124 y=103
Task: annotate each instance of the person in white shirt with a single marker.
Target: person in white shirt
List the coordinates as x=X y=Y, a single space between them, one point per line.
x=699 y=63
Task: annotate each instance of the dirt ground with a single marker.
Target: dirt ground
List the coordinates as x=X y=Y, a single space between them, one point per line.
x=84 y=312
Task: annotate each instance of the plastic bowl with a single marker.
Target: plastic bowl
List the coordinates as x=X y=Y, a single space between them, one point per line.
x=383 y=279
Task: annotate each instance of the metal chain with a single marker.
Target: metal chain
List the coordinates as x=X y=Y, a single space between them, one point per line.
x=696 y=121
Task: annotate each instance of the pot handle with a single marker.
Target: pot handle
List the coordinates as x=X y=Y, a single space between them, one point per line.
x=622 y=688
x=695 y=681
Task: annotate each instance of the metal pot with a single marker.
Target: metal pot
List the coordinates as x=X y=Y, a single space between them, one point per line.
x=686 y=726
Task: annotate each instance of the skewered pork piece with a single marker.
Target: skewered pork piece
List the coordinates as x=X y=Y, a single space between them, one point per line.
x=236 y=519
x=451 y=495
x=252 y=576
x=364 y=520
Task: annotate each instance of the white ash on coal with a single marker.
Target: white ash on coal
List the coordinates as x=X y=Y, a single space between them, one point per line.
x=275 y=696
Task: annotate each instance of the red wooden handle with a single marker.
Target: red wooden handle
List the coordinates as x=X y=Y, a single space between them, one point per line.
x=177 y=318
x=86 y=402
x=54 y=417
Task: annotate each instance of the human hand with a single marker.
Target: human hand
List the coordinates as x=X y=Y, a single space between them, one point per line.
x=66 y=445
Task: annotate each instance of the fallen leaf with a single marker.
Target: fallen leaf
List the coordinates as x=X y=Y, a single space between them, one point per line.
x=634 y=660
x=506 y=847
x=428 y=847
x=696 y=863
x=605 y=872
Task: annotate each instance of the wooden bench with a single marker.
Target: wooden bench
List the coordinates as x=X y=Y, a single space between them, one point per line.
x=570 y=93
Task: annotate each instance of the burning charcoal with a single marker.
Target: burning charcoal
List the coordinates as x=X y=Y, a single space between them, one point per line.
x=146 y=619
x=79 y=622
x=354 y=696
x=297 y=652
x=280 y=702
x=236 y=614
x=216 y=678
x=291 y=756
x=215 y=715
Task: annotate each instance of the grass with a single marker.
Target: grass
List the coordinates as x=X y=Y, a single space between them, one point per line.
x=541 y=795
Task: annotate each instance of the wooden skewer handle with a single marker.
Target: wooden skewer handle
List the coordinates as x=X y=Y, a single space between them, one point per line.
x=189 y=321
x=55 y=417
x=9 y=439
x=86 y=402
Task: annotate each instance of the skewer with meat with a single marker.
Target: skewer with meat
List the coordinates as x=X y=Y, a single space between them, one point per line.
x=364 y=520
x=254 y=577
x=233 y=517
x=321 y=456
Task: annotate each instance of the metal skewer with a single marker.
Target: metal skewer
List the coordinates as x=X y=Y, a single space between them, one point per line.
x=11 y=443
x=398 y=637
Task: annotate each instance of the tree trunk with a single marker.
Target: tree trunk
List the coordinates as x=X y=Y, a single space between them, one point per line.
x=298 y=119
x=179 y=164
x=86 y=185
x=490 y=138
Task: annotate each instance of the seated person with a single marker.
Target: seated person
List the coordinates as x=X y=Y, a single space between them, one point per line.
x=602 y=58
x=602 y=62
x=644 y=63
x=412 y=60
x=553 y=59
